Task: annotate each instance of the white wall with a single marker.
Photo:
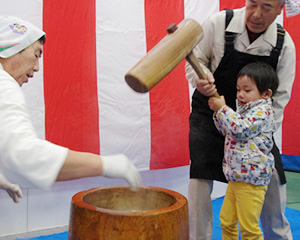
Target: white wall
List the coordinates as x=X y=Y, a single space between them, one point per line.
x=39 y=210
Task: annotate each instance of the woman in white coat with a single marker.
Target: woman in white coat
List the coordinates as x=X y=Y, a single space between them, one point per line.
x=25 y=159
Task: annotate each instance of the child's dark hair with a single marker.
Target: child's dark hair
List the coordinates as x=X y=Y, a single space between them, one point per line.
x=263 y=74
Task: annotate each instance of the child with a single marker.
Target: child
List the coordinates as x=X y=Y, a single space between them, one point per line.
x=248 y=163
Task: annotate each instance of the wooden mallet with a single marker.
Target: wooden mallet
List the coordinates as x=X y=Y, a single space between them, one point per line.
x=177 y=45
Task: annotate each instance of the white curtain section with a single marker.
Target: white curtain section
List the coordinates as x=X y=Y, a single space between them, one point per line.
x=121 y=42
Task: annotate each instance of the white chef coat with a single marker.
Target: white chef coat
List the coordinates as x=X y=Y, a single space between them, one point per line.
x=210 y=51
x=24 y=158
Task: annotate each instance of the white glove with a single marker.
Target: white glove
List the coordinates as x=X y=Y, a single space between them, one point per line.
x=119 y=166
x=13 y=190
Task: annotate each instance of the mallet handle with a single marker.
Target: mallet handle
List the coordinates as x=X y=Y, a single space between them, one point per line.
x=198 y=69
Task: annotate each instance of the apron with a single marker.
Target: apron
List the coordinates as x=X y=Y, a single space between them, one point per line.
x=205 y=142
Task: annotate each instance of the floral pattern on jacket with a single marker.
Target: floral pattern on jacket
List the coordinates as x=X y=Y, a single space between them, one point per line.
x=248 y=141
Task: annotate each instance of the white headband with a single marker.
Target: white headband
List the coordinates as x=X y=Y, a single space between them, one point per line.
x=292 y=7
x=16 y=35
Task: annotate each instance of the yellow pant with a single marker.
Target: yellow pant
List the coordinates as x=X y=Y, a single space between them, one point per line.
x=242 y=203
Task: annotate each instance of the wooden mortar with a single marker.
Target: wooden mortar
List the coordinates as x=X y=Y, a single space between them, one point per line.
x=117 y=213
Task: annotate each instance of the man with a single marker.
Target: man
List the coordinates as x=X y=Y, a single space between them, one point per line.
x=251 y=35
x=24 y=158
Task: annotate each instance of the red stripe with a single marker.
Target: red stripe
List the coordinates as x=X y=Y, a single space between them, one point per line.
x=169 y=100
x=291 y=124
x=231 y=4
x=70 y=79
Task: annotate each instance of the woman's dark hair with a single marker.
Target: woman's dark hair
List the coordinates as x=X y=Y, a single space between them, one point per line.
x=263 y=75
x=42 y=39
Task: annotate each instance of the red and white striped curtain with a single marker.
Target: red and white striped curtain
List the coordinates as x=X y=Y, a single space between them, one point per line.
x=80 y=98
